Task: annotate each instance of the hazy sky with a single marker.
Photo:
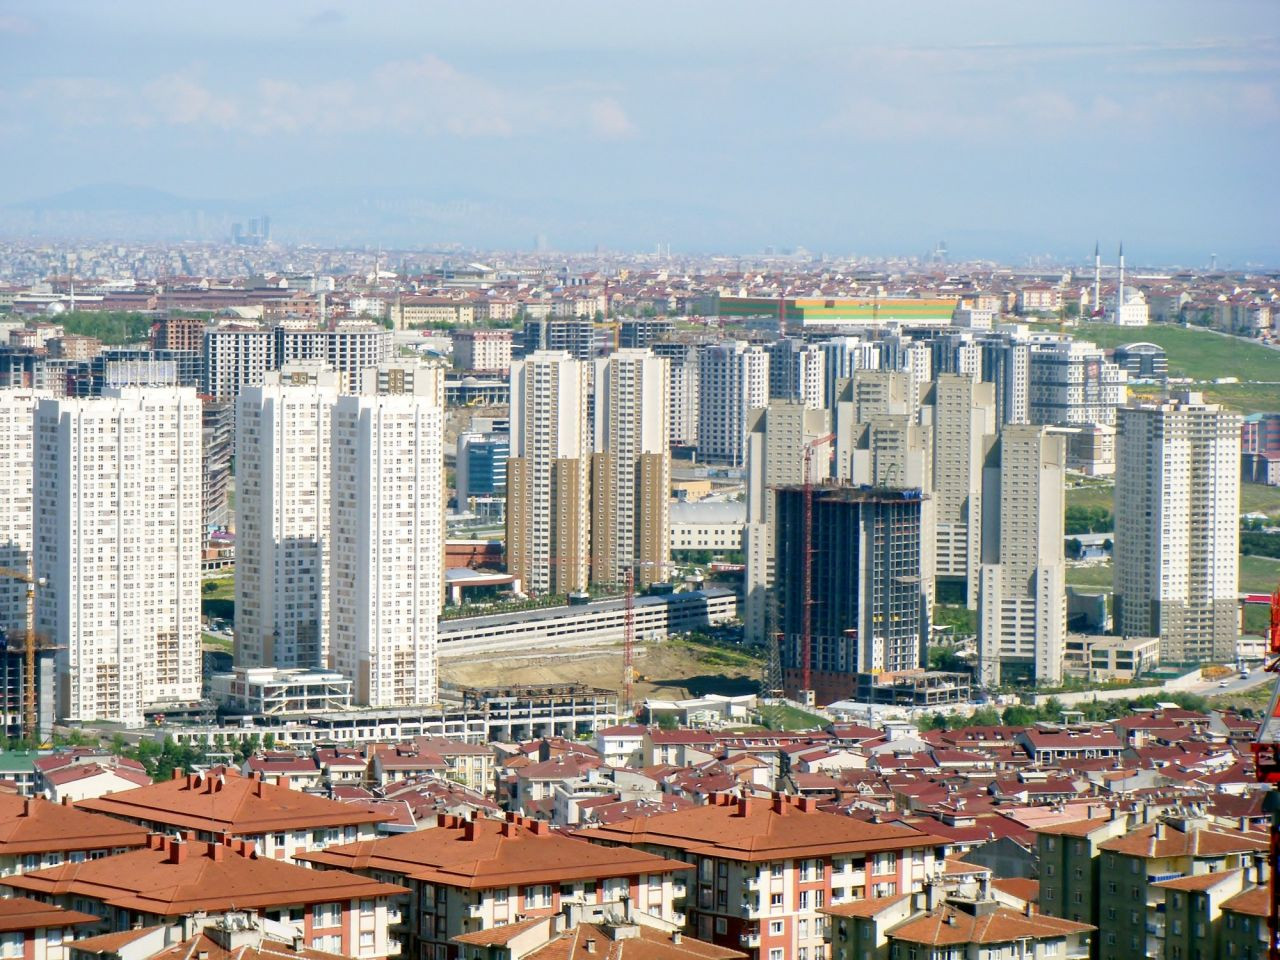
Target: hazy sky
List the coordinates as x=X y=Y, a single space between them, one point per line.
x=1003 y=128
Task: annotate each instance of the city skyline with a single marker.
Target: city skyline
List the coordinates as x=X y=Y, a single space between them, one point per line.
x=867 y=131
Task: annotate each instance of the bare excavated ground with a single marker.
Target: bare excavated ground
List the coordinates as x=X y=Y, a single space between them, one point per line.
x=671 y=670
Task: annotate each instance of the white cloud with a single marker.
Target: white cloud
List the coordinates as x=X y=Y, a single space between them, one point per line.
x=609 y=120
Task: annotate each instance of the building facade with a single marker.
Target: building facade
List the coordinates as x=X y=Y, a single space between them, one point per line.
x=387 y=529
x=1177 y=526
x=548 y=473
x=118 y=537
x=283 y=435
x=733 y=379
x=1022 y=601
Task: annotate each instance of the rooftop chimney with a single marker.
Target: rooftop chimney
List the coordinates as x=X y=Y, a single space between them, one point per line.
x=26 y=807
x=217 y=852
x=177 y=851
x=676 y=937
x=177 y=773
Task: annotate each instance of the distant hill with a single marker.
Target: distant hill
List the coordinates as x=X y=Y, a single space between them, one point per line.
x=120 y=198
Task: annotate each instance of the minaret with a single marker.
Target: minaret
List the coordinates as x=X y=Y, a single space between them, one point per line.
x=1120 y=291
x=1097 y=279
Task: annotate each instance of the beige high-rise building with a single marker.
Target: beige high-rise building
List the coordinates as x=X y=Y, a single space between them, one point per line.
x=868 y=394
x=387 y=529
x=776 y=439
x=548 y=473
x=282 y=518
x=963 y=415
x=1178 y=526
x=630 y=469
x=1022 y=597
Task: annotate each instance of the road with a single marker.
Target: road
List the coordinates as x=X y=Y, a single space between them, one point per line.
x=1235 y=684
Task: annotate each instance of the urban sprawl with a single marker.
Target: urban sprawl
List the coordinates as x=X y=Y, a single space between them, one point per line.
x=531 y=606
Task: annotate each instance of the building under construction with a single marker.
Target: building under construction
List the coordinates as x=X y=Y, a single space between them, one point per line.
x=867 y=607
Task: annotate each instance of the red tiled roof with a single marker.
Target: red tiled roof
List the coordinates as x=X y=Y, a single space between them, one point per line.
x=172 y=878
x=948 y=926
x=41 y=826
x=756 y=829
x=229 y=804
x=484 y=854
x=20 y=913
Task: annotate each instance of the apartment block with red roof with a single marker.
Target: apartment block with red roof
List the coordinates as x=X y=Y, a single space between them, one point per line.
x=31 y=930
x=170 y=880
x=36 y=833
x=281 y=822
x=469 y=875
x=573 y=938
x=766 y=868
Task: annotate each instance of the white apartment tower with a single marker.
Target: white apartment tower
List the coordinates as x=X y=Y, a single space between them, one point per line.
x=963 y=414
x=1178 y=526
x=1022 y=597
x=630 y=469
x=682 y=391
x=548 y=473
x=387 y=531
x=733 y=379
x=17 y=423
x=118 y=536
x=282 y=518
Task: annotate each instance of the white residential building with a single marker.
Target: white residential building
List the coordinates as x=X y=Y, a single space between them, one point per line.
x=387 y=529
x=1022 y=602
x=236 y=356
x=733 y=379
x=17 y=424
x=1178 y=527
x=630 y=469
x=1072 y=382
x=548 y=473
x=282 y=518
x=118 y=536
x=682 y=391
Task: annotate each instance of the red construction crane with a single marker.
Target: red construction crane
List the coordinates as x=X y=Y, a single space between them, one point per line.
x=1266 y=761
x=806 y=603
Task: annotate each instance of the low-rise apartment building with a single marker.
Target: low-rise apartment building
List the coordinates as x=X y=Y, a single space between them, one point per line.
x=470 y=875
x=767 y=867
x=170 y=880
x=281 y=822
x=36 y=833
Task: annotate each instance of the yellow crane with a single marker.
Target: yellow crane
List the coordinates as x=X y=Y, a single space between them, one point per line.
x=32 y=643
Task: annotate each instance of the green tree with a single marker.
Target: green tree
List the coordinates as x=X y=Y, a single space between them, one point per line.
x=1017 y=715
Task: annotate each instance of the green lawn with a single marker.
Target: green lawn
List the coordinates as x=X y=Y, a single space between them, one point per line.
x=1096 y=577
x=1192 y=352
x=1092 y=495
x=1257 y=575
x=219 y=588
x=1254 y=497
x=211 y=641
x=781 y=716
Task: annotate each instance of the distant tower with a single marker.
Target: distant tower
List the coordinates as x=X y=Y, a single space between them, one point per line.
x=1120 y=290
x=1097 y=278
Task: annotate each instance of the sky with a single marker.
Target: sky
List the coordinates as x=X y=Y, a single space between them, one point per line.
x=1005 y=129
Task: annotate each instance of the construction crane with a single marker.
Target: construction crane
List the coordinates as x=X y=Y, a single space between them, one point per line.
x=1266 y=762
x=31 y=644
x=806 y=602
x=629 y=629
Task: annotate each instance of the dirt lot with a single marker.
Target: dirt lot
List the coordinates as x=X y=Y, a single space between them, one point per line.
x=671 y=670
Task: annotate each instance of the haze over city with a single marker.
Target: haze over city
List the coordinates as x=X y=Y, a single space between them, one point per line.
x=1006 y=130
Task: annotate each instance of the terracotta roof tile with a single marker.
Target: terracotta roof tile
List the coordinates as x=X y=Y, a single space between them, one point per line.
x=41 y=826
x=948 y=926
x=484 y=854
x=170 y=879
x=20 y=913
x=229 y=804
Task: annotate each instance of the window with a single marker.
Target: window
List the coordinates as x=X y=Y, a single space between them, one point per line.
x=1051 y=948
x=366 y=941
x=775 y=870
x=775 y=953
x=366 y=908
x=775 y=900
x=722 y=925
x=804 y=900
x=326 y=915
x=775 y=928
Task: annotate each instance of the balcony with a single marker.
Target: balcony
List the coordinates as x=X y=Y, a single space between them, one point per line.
x=750 y=908
x=752 y=883
x=475 y=910
x=679 y=889
x=750 y=939
x=678 y=919
x=1161 y=877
